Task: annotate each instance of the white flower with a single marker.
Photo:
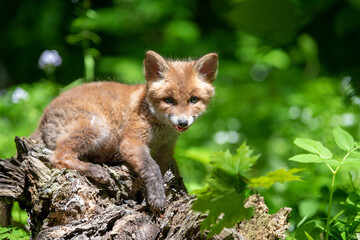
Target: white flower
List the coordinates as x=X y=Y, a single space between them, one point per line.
x=19 y=94
x=49 y=58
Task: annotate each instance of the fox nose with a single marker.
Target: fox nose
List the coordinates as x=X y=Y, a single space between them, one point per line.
x=183 y=123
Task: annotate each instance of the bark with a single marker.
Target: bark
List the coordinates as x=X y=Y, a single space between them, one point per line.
x=62 y=204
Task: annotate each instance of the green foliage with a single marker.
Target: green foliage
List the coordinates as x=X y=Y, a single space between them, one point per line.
x=213 y=203
x=352 y=161
x=313 y=147
x=194 y=166
x=18 y=215
x=323 y=155
x=308 y=236
x=313 y=158
x=13 y=233
x=342 y=229
x=83 y=35
x=349 y=227
x=280 y=175
x=228 y=184
x=20 y=110
x=237 y=164
x=343 y=139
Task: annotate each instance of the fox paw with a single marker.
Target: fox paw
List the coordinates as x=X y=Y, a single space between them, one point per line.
x=157 y=201
x=99 y=174
x=154 y=184
x=156 y=196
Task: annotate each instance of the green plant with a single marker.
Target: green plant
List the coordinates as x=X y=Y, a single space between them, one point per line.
x=320 y=154
x=83 y=34
x=20 y=109
x=13 y=233
x=229 y=183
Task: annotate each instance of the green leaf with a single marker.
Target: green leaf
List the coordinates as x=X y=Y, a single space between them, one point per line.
x=223 y=160
x=352 y=202
x=280 y=175
x=308 y=236
x=313 y=147
x=5 y=236
x=308 y=227
x=74 y=38
x=4 y=230
x=308 y=207
x=352 y=161
x=238 y=164
x=13 y=233
x=307 y=158
x=225 y=193
x=12 y=237
x=220 y=179
x=228 y=202
x=313 y=158
x=244 y=159
x=343 y=139
x=343 y=235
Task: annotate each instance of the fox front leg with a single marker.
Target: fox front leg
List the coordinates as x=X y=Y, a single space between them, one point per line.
x=139 y=158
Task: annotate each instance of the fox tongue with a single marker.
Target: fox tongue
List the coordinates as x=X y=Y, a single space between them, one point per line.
x=180 y=129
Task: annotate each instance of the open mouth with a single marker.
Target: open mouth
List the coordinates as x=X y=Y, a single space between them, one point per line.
x=180 y=129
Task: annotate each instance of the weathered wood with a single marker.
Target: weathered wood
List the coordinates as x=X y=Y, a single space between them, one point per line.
x=62 y=204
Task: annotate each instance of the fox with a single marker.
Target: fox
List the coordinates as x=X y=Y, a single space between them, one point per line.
x=108 y=122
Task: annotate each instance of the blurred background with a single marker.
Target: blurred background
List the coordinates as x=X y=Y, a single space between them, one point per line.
x=287 y=69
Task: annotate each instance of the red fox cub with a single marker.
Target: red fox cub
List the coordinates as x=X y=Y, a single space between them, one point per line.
x=106 y=121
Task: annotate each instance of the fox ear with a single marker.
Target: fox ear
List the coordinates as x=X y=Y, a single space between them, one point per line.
x=207 y=66
x=155 y=65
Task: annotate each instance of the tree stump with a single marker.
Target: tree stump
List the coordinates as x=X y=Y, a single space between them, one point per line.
x=62 y=204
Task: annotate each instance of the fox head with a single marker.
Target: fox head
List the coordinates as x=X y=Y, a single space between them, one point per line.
x=178 y=92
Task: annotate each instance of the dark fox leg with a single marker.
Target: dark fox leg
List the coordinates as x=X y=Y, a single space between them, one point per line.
x=138 y=157
x=81 y=140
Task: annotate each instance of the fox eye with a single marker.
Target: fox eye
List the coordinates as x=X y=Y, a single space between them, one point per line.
x=169 y=100
x=194 y=99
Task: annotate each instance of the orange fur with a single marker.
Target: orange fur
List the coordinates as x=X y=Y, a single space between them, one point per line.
x=106 y=121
